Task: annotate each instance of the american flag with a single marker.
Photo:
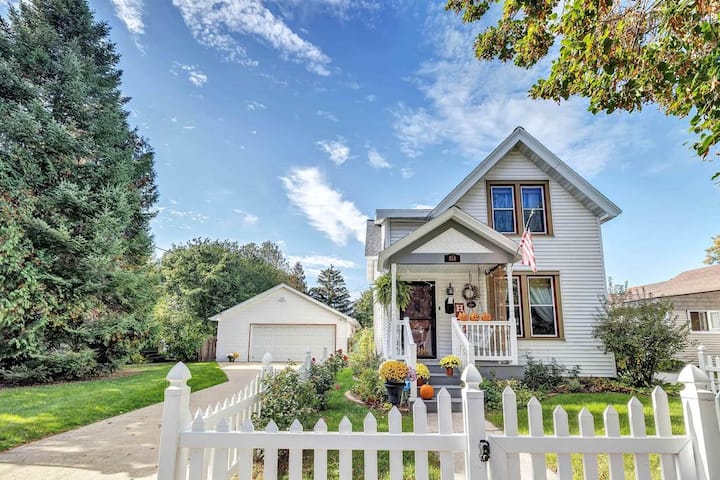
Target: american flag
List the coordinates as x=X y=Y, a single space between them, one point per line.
x=527 y=250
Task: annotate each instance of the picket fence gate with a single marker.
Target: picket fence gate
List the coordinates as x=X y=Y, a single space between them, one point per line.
x=220 y=444
x=711 y=366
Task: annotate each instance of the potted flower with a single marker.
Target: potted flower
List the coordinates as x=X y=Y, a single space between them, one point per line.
x=423 y=374
x=450 y=362
x=394 y=372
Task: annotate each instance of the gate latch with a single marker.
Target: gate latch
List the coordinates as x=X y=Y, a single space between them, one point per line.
x=484 y=450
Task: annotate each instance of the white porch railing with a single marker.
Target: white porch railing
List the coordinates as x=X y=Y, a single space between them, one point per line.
x=711 y=367
x=460 y=344
x=406 y=349
x=489 y=340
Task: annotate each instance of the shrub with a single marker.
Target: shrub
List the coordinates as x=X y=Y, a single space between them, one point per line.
x=370 y=388
x=546 y=377
x=362 y=354
x=71 y=365
x=494 y=390
x=24 y=375
x=322 y=378
x=336 y=362
x=287 y=397
x=641 y=332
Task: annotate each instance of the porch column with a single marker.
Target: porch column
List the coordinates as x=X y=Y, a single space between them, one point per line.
x=511 y=314
x=393 y=310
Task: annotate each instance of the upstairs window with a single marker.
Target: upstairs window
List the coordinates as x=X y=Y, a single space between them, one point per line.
x=503 y=209
x=707 y=321
x=511 y=203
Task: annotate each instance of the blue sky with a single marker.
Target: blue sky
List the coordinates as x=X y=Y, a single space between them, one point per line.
x=293 y=120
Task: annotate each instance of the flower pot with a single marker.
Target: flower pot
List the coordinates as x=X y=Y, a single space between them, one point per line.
x=420 y=381
x=394 y=391
x=449 y=371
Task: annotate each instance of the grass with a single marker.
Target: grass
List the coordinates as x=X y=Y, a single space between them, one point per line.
x=596 y=404
x=31 y=413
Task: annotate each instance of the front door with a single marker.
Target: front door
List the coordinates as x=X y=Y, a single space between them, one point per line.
x=421 y=312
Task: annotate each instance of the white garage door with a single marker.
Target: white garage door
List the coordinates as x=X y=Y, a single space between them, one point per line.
x=289 y=342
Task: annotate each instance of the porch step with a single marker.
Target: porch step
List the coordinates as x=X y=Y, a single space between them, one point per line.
x=493 y=370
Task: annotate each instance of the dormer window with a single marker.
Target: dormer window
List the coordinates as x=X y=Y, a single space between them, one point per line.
x=511 y=203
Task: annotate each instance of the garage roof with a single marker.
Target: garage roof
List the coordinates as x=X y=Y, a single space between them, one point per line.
x=262 y=296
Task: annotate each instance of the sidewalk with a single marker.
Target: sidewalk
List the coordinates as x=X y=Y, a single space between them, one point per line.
x=117 y=448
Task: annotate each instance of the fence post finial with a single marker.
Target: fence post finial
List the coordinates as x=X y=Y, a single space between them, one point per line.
x=305 y=369
x=701 y=419
x=702 y=356
x=324 y=355
x=267 y=367
x=176 y=418
x=473 y=403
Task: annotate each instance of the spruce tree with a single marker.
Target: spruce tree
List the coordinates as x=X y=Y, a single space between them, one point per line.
x=296 y=278
x=76 y=190
x=331 y=290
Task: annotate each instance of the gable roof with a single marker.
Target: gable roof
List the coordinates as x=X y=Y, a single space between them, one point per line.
x=455 y=214
x=700 y=280
x=548 y=162
x=267 y=293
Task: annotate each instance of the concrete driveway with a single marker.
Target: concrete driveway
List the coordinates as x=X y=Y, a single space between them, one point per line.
x=122 y=447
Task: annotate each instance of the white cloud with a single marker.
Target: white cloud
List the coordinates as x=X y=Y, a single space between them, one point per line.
x=195 y=75
x=328 y=115
x=189 y=215
x=214 y=22
x=321 y=261
x=407 y=172
x=246 y=217
x=421 y=206
x=376 y=160
x=337 y=150
x=371 y=97
x=325 y=208
x=173 y=119
x=472 y=105
x=189 y=127
x=253 y=105
x=130 y=12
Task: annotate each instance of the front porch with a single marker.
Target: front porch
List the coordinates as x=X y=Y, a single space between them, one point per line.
x=460 y=271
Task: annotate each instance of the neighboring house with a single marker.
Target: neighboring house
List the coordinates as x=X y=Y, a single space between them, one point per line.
x=472 y=236
x=695 y=296
x=284 y=322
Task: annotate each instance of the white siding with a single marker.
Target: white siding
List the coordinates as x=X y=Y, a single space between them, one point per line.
x=234 y=326
x=575 y=251
x=400 y=229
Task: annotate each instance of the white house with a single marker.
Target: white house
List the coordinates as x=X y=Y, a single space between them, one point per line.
x=284 y=322
x=471 y=238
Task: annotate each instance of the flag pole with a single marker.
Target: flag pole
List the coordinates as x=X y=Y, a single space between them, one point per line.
x=532 y=212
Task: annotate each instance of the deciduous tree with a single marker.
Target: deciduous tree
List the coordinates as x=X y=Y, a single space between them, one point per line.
x=712 y=254
x=619 y=54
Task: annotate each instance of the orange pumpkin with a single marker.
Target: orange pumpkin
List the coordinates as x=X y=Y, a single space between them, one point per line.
x=427 y=392
x=474 y=316
x=486 y=316
x=462 y=316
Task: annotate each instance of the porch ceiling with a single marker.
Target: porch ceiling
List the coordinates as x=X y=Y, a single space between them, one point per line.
x=454 y=232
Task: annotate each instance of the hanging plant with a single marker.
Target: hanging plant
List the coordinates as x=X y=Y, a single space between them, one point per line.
x=383 y=291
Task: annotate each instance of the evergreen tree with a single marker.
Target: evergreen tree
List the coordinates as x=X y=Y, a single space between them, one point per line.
x=296 y=279
x=331 y=290
x=77 y=187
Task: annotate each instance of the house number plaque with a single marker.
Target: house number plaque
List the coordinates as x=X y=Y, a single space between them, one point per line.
x=452 y=258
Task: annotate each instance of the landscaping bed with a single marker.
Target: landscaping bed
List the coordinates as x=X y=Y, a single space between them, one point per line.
x=31 y=413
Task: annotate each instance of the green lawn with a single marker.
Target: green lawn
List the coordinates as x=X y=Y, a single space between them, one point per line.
x=31 y=413
x=596 y=403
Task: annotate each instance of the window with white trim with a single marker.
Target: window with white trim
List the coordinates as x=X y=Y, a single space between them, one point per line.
x=503 y=208
x=704 y=321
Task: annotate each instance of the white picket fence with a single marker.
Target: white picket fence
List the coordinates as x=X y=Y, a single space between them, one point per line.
x=202 y=449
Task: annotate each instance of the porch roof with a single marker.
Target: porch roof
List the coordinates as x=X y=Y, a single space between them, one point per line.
x=452 y=232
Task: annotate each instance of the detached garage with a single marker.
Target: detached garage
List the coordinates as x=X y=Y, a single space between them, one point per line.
x=284 y=322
